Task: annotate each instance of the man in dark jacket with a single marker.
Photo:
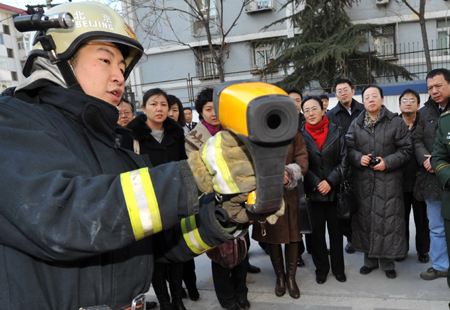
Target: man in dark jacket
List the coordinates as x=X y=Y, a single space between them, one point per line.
x=440 y=162
x=78 y=212
x=346 y=110
x=409 y=103
x=438 y=84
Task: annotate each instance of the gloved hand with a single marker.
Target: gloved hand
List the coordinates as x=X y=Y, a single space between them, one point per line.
x=235 y=206
x=223 y=165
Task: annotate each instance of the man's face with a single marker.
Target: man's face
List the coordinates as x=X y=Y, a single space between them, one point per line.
x=298 y=101
x=188 y=115
x=99 y=68
x=325 y=104
x=409 y=104
x=345 y=93
x=125 y=114
x=438 y=89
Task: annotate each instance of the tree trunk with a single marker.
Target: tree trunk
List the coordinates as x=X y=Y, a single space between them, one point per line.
x=424 y=35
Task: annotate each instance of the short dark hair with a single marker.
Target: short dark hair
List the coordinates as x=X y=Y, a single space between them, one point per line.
x=174 y=100
x=324 y=97
x=313 y=98
x=294 y=90
x=369 y=86
x=409 y=91
x=152 y=92
x=342 y=81
x=127 y=101
x=204 y=96
x=187 y=108
x=441 y=71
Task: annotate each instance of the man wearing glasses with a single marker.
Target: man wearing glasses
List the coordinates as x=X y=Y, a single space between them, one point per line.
x=343 y=114
x=409 y=103
x=126 y=112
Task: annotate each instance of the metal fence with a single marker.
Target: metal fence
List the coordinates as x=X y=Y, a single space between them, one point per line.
x=411 y=56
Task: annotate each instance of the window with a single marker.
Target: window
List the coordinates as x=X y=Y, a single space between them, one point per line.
x=10 y=52
x=443 y=29
x=263 y=55
x=1 y=39
x=14 y=75
x=23 y=43
x=4 y=63
x=207 y=64
x=203 y=5
x=384 y=44
x=6 y=29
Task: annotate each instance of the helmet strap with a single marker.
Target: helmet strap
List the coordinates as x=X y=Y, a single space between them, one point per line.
x=68 y=75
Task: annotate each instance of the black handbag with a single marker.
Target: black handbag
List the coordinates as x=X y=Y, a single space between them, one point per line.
x=305 y=224
x=346 y=201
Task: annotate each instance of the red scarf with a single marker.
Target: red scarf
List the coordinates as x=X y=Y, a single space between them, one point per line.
x=212 y=130
x=319 y=132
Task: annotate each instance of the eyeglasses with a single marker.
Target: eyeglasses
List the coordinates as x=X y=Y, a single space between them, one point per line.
x=125 y=113
x=344 y=90
x=412 y=100
x=312 y=110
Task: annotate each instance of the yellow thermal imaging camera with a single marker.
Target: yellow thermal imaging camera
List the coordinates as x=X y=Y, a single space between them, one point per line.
x=265 y=118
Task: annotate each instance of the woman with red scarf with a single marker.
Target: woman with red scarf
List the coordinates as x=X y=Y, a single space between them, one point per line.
x=327 y=155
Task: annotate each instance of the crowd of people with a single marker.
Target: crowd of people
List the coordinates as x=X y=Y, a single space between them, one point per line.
x=385 y=157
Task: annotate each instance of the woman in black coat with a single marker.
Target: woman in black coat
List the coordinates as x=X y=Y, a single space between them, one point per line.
x=162 y=139
x=379 y=145
x=327 y=156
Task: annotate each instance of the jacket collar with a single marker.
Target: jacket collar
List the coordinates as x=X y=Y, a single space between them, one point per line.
x=355 y=106
x=384 y=113
x=97 y=116
x=142 y=131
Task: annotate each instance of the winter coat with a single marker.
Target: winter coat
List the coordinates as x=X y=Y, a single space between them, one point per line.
x=171 y=147
x=340 y=116
x=411 y=170
x=440 y=162
x=423 y=138
x=330 y=164
x=286 y=229
x=76 y=214
x=379 y=224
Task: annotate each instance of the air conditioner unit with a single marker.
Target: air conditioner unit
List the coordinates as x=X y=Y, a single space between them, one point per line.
x=382 y=2
x=259 y=5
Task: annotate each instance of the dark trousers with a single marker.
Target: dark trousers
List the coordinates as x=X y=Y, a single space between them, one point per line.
x=173 y=272
x=420 y=220
x=230 y=284
x=189 y=276
x=447 y=239
x=324 y=213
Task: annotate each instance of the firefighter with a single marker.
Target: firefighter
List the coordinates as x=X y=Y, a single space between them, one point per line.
x=78 y=212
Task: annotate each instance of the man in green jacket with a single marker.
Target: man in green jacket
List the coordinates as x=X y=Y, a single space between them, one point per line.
x=440 y=161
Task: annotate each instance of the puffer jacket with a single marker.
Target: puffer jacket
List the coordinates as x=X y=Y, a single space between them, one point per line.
x=330 y=164
x=423 y=138
x=379 y=225
x=411 y=170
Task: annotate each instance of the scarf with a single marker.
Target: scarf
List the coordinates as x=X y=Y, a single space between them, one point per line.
x=370 y=123
x=212 y=130
x=318 y=132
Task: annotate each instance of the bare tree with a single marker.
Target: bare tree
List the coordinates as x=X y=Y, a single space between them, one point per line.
x=423 y=29
x=159 y=21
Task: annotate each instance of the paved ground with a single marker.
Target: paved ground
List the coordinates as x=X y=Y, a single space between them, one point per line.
x=361 y=292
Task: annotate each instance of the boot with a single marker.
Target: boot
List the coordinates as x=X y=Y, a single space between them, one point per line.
x=291 y=255
x=276 y=257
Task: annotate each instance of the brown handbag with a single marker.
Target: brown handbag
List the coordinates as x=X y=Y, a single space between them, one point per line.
x=229 y=254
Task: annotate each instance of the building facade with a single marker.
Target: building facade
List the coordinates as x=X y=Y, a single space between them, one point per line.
x=179 y=69
x=14 y=48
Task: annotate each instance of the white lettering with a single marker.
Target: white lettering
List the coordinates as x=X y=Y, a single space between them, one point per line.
x=79 y=15
x=95 y=24
x=85 y=24
x=105 y=25
x=110 y=27
x=106 y=18
x=77 y=24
